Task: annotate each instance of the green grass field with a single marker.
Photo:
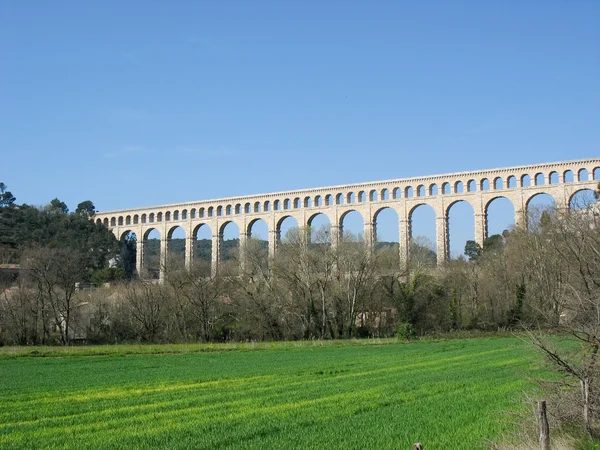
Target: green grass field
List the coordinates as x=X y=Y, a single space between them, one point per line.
x=447 y=395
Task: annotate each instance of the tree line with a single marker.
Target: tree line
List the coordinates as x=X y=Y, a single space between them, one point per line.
x=308 y=290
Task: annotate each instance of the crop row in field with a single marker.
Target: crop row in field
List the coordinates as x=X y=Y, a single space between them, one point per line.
x=449 y=395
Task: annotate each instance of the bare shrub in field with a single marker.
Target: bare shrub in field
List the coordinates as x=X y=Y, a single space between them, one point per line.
x=563 y=253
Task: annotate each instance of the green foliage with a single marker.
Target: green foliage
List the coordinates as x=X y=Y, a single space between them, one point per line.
x=420 y=302
x=406 y=331
x=128 y=256
x=86 y=208
x=493 y=244
x=23 y=226
x=58 y=207
x=294 y=395
x=108 y=275
x=516 y=314
x=473 y=250
x=6 y=197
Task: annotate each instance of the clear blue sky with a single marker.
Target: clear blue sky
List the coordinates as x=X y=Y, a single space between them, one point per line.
x=132 y=103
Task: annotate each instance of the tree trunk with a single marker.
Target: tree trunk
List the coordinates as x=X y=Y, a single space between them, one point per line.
x=543 y=424
x=585 y=394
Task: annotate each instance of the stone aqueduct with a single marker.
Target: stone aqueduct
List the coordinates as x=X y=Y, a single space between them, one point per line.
x=520 y=184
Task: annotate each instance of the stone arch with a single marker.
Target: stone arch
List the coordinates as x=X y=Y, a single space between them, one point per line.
x=459 y=187
x=582 y=175
x=136 y=219
x=193 y=213
x=267 y=206
x=553 y=177
x=385 y=194
x=210 y=211
x=484 y=184
x=247 y=208
x=422 y=225
x=258 y=243
x=581 y=199
x=125 y=233
x=536 y=206
x=229 y=246
x=408 y=192
x=184 y=214
x=433 y=189
x=596 y=173
x=339 y=199
x=414 y=208
x=286 y=203
x=159 y=217
x=351 y=224
x=386 y=222
x=318 y=201
x=498 y=183
x=238 y=208
x=105 y=222
x=328 y=200
x=307 y=202
x=396 y=193
x=151 y=218
x=276 y=205
x=176 y=244
x=420 y=191
x=144 y=218
x=320 y=228
x=525 y=180
x=202 y=212
x=285 y=227
x=150 y=231
x=173 y=230
x=202 y=252
x=361 y=197
x=373 y=195
x=539 y=179
x=495 y=213
x=252 y=229
x=128 y=220
x=511 y=182
x=297 y=203
x=168 y=216
x=445 y=188
x=176 y=215
x=201 y=226
x=313 y=216
x=460 y=216
x=471 y=186
x=538 y=194
x=152 y=253
x=256 y=207
x=129 y=256
x=219 y=210
x=120 y=221
x=350 y=198
x=228 y=210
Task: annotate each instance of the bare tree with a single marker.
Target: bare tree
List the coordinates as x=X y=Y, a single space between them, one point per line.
x=573 y=241
x=147 y=303
x=197 y=293
x=56 y=273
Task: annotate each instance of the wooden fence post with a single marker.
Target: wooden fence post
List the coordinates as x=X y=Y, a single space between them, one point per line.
x=543 y=424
